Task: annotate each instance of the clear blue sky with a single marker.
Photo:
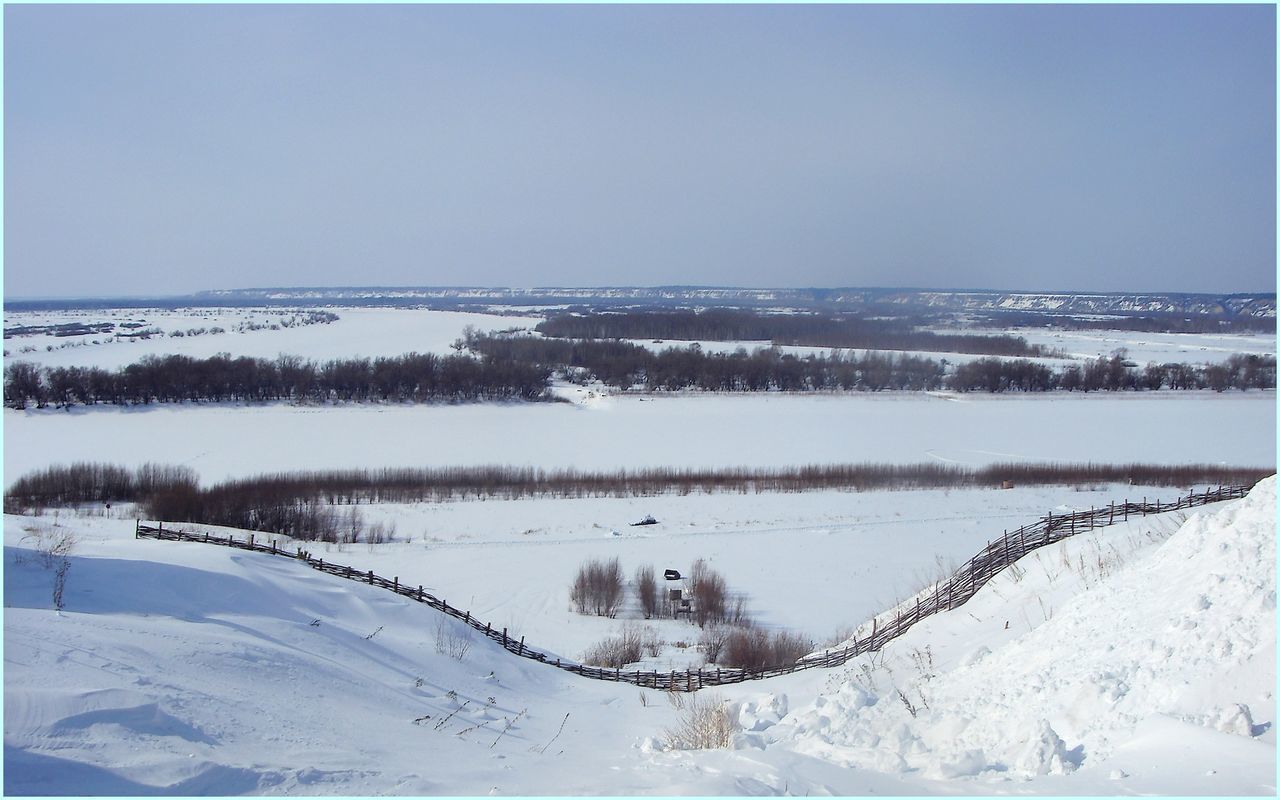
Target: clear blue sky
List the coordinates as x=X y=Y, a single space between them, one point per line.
x=164 y=149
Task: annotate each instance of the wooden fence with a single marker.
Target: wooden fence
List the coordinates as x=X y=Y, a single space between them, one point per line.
x=944 y=596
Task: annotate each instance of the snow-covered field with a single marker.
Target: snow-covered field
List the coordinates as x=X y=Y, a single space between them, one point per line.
x=372 y=332
x=364 y=332
x=1236 y=428
x=1145 y=348
x=1124 y=661
x=812 y=562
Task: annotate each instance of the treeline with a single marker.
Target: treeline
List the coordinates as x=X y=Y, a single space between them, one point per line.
x=723 y=325
x=307 y=505
x=520 y=368
x=625 y=365
x=179 y=379
x=1112 y=374
x=89 y=482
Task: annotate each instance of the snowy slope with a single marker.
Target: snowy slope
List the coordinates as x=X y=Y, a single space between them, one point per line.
x=1159 y=674
x=1118 y=662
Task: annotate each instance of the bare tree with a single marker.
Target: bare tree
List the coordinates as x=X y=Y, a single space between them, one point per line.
x=647 y=591
x=597 y=588
x=709 y=592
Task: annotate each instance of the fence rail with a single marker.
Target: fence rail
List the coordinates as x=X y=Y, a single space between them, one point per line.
x=944 y=595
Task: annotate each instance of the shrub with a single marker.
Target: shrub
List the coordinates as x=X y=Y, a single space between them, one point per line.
x=647 y=591
x=597 y=588
x=755 y=649
x=712 y=642
x=626 y=648
x=53 y=546
x=709 y=593
x=452 y=641
x=707 y=722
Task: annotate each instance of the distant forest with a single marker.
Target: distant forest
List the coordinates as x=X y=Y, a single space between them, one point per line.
x=308 y=505
x=624 y=365
x=785 y=329
x=520 y=367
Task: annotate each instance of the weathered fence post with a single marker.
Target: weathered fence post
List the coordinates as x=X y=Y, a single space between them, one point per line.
x=395 y=584
x=520 y=652
x=504 y=637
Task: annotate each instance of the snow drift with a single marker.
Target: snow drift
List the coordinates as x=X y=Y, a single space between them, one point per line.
x=1135 y=660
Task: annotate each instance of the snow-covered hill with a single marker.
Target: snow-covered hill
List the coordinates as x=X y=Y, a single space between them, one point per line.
x=1124 y=661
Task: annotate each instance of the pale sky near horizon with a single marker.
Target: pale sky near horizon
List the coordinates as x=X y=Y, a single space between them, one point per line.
x=155 y=150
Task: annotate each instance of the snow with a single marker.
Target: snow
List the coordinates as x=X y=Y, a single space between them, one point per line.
x=1128 y=661
x=358 y=332
x=765 y=545
x=617 y=431
x=1137 y=659
x=373 y=332
x=1141 y=347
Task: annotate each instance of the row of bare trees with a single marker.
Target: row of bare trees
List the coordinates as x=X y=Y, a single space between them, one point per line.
x=304 y=504
x=1240 y=371
x=820 y=330
x=414 y=377
x=625 y=365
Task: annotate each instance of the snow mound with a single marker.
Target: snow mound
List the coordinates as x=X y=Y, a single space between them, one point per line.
x=1185 y=634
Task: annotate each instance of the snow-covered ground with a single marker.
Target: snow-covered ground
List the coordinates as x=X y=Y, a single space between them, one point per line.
x=1144 y=348
x=609 y=432
x=372 y=332
x=364 y=332
x=769 y=547
x=1124 y=661
x=1112 y=662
